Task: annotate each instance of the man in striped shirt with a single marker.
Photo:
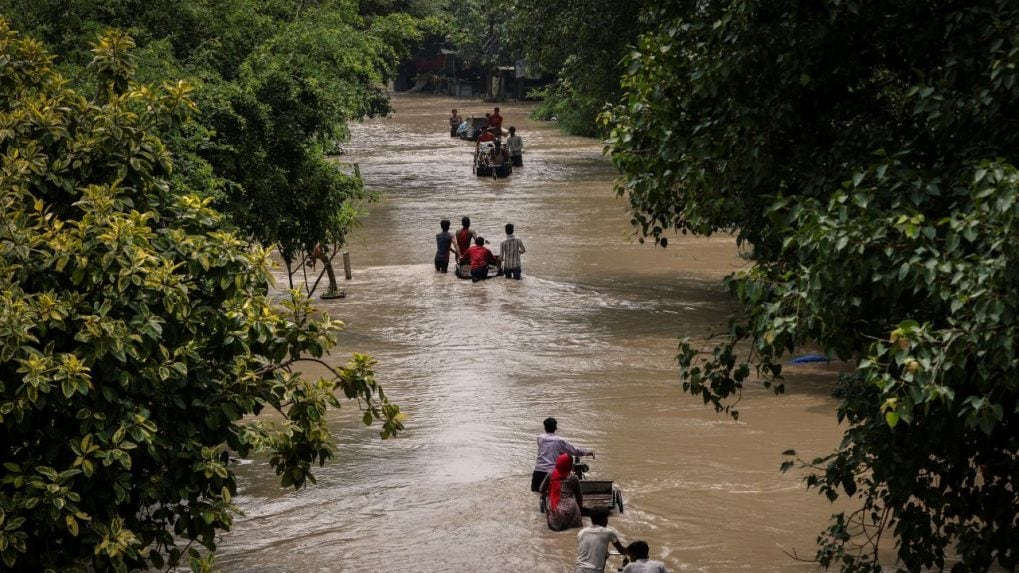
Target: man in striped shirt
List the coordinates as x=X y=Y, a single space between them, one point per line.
x=509 y=254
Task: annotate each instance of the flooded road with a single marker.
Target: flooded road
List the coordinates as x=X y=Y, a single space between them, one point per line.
x=588 y=336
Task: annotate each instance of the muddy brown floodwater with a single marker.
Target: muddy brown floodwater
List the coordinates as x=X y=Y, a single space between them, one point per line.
x=588 y=336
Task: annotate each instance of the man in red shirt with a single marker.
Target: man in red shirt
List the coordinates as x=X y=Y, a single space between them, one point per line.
x=464 y=236
x=495 y=122
x=479 y=257
x=486 y=135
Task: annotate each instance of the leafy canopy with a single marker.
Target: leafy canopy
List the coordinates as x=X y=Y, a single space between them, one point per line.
x=276 y=83
x=582 y=44
x=864 y=153
x=137 y=335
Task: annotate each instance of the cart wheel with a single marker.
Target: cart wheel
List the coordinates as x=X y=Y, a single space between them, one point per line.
x=617 y=497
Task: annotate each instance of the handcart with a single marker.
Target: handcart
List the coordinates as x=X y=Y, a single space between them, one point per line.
x=598 y=494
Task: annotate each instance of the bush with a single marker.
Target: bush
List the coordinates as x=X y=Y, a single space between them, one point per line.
x=137 y=337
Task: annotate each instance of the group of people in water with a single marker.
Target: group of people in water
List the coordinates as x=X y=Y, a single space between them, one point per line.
x=490 y=133
x=554 y=479
x=469 y=250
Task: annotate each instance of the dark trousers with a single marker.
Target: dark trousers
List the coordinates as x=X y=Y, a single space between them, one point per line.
x=512 y=273
x=517 y=160
x=536 y=479
x=441 y=265
x=479 y=274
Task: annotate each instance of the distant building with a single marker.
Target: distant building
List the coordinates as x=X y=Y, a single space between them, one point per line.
x=438 y=69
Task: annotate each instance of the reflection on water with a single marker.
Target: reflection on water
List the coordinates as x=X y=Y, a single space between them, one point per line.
x=588 y=336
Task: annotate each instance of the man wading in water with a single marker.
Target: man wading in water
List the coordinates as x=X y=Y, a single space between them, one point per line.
x=593 y=543
x=444 y=243
x=550 y=446
x=464 y=236
x=479 y=258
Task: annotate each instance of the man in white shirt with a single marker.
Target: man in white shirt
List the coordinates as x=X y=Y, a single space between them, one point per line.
x=549 y=447
x=515 y=144
x=593 y=543
x=638 y=551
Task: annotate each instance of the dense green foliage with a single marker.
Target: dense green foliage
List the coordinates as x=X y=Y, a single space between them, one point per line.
x=277 y=81
x=582 y=44
x=470 y=23
x=137 y=337
x=421 y=9
x=478 y=32
x=865 y=152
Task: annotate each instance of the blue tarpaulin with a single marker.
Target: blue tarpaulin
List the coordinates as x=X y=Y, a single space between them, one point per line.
x=807 y=358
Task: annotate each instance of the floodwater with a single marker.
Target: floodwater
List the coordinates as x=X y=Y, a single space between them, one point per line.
x=588 y=336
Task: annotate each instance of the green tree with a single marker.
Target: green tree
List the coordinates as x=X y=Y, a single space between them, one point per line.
x=863 y=152
x=415 y=8
x=582 y=44
x=479 y=32
x=292 y=99
x=289 y=106
x=138 y=342
x=277 y=83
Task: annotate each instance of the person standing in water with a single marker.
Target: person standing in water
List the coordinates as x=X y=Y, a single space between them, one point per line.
x=639 y=562
x=593 y=543
x=515 y=144
x=550 y=445
x=495 y=122
x=464 y=236
x=444 y=243
x=565 y=498
x=509 y=254
x=454 y=123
